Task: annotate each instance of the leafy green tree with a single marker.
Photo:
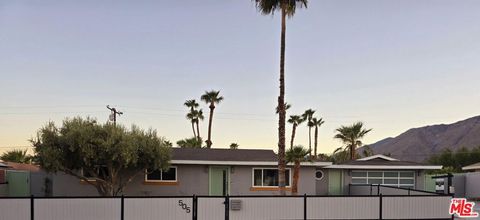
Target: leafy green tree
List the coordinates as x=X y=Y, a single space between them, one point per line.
x=296 y=155
x=211 y=98
x=111 y=155
x=16 y=156
x=453 y=161
x=295 y=120
x=234 y=146
x=351 y=136
x=316 y=123
x=287 y=8
x=193 y=142
x=307 y=116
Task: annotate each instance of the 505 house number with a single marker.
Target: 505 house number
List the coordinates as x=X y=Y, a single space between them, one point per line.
x=184 y=206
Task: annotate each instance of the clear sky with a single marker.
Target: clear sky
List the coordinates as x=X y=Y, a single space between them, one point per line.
x=392 y=64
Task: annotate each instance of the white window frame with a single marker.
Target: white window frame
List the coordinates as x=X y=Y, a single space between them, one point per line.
x=161 y=176
x=323 y=174
x=398 y=178
x=269 y=168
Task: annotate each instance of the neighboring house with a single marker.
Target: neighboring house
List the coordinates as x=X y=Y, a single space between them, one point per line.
x=210 y=172
x=22 y=180
x=3 y=180
x=378 y=169
x=254 y=172
x=474 y=167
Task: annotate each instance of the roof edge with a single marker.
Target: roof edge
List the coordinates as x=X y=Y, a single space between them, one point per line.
x=386 y=167
x=245 y=163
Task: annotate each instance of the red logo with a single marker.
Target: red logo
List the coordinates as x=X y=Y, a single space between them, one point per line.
x=462 y=208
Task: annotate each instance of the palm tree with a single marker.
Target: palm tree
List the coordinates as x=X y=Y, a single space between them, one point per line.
x=351 y=135
x=193 y=142
x=296 y=155
x=192 y=117
x=367 y=151
x=308 y=115
x=287 y=106
x=295 y=120
x=192 y=104
x=317 y=123
x=287 y=8
x=234 y=146
x=198 y=117
x=16 y=156
x=211 y=98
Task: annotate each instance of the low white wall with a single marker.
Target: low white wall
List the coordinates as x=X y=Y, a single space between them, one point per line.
x=211 y=209
x=269 y=208
x=430 y=207
x=343 y=208
x=15 y=209
x=158 y=208
x=77 y=209
x=472 y=185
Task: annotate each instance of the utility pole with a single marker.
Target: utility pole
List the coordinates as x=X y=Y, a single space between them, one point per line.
x=113 y=115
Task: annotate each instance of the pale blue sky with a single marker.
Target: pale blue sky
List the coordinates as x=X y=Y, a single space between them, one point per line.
x=391 y=64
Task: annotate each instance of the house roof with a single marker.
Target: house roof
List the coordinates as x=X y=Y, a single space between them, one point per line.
x=475 y=166
x=229 y=157
x=21 y=166
x=382 y=162
x=3 y=165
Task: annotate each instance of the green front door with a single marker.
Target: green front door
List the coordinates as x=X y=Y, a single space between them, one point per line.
x=18 y=183
x=219 y=181
x=334 y=182
x=429 y=183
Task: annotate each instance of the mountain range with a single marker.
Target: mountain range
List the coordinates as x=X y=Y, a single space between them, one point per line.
x=419 y=144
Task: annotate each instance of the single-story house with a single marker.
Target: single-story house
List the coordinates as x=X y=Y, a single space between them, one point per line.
x=254 y=172
x=210 y=172
x=474 y=167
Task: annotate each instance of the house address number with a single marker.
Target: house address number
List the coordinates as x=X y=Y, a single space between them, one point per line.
x=184 y=206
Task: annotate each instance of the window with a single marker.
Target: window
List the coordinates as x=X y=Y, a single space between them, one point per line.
x=405 y=179
x=169 y=175
x=268 y=177
x=319 y=175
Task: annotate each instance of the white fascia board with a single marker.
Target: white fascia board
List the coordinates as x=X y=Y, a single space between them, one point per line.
x=378 y=156
x=246 y=163
x=371 y=167
x=471 y=168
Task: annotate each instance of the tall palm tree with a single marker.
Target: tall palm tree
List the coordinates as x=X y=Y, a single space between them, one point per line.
x=211 y=98
x=191 y=116
x=198 y=117
x=295 y=120
x=296 y=155
x=287 y=8
x=316 y=123
x=308 y=115
x=351 y=136
x=192 y=104
x=287 y=106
